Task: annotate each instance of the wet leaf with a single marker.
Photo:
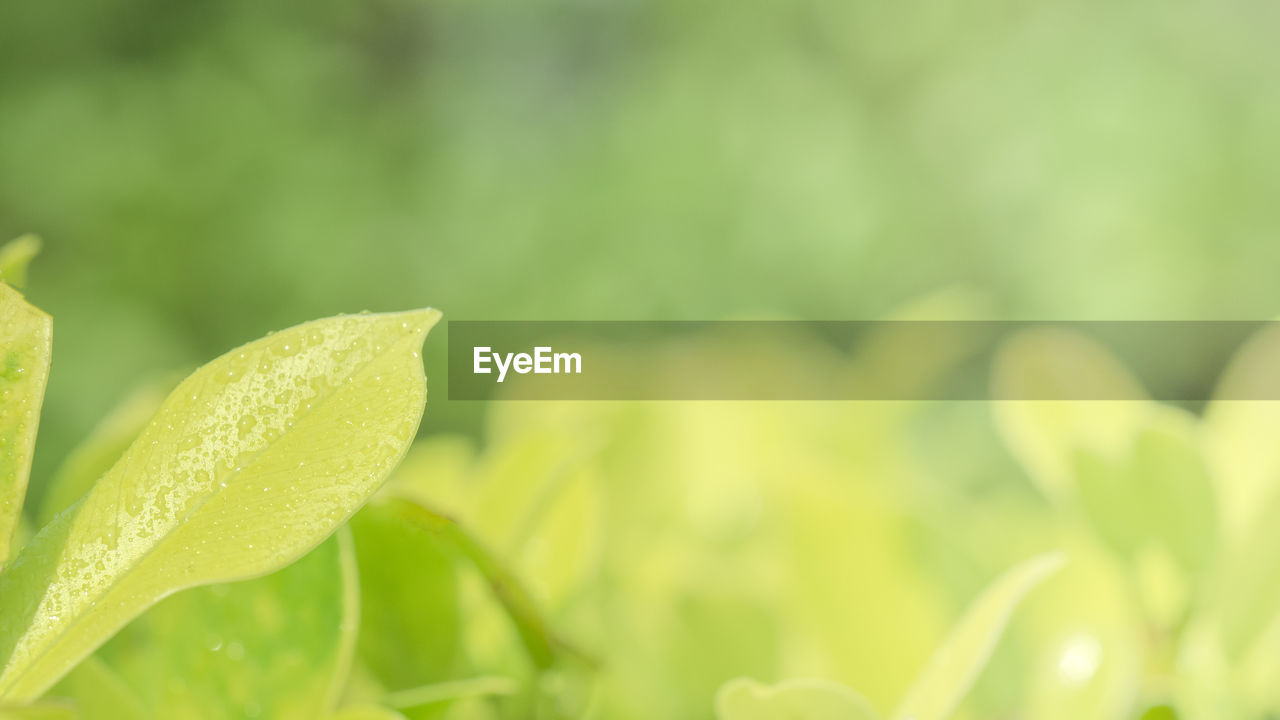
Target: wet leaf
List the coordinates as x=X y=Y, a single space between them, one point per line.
x=251 y=462
x=25 y=346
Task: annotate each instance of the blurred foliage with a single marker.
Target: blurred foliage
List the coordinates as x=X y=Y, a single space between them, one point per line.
x=206 y=172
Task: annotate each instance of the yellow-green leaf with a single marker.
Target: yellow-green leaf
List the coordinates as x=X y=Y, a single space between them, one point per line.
x=14 y=258
x=744 y=699
x=540 y=641
x=409 y=629
x=251 y=462
x=26 y=335
x=956 y=664
x=274 y=647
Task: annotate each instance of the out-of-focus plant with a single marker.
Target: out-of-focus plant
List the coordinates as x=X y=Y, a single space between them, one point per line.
x=1183 y=507
x=937 y=691
x=628 y=561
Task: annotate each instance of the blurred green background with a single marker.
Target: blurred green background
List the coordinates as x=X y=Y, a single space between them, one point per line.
x=206 y=172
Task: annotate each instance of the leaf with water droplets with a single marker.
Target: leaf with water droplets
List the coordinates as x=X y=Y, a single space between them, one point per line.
x=956 y=664
x=744 y=699
x=251 y=462
x=26 y=335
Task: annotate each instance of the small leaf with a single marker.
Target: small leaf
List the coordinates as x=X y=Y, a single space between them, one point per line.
x=744 y=699
x=14 y=258
x=26 y=335
x=955 y=665
x=543 y=646
x=409 y=626
x=251 y=462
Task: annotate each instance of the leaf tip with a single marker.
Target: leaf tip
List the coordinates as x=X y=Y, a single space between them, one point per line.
x=15 y=256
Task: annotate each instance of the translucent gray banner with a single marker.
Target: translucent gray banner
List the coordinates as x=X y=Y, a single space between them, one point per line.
x=1172 y=361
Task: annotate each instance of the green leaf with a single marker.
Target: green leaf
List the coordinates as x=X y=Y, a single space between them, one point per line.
x=14 y=258
x=275 y=647
x=409 y=616
x=534 y=500
x=251 y=462
x=26 y=335
x=955 y=665
x=744 y=699
x=543 y=646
